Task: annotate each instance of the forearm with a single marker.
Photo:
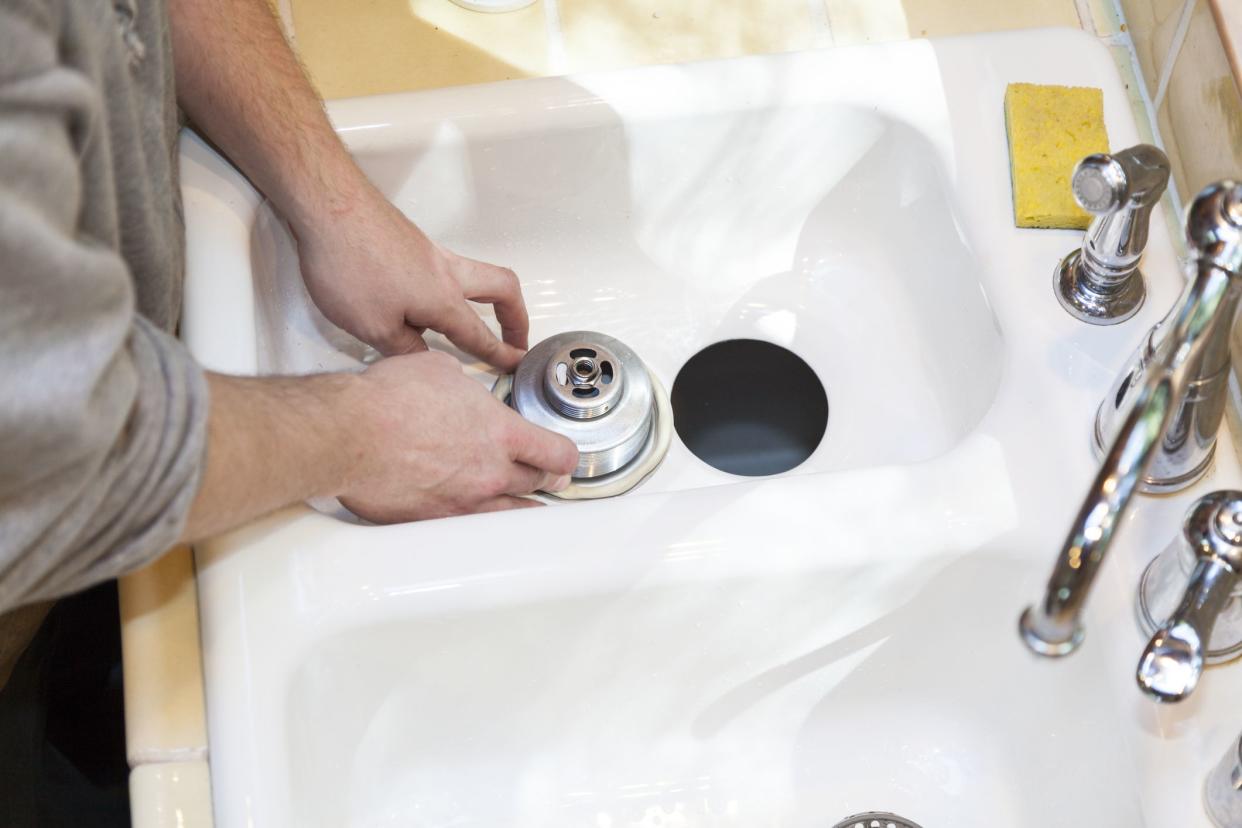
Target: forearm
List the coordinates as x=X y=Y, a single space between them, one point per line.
x=409 y=438
x=271 y=442
x=240 y=82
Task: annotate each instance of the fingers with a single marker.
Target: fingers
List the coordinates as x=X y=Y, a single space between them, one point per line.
x=405 y=340
x=524 y=479
x=467 y=331
x=541 y=449
x=506 y=502
x=498 y=287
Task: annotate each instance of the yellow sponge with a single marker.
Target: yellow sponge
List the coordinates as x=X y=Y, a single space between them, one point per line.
x=1051 y=128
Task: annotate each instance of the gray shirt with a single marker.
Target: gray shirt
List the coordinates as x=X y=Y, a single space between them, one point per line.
x=102 y=411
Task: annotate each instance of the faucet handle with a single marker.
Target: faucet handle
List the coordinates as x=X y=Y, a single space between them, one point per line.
x=1222 y=792
x=1214 y=226
x=1100 y=283
x=1173 y=661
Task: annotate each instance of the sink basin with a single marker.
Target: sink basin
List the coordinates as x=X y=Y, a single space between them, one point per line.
x=795 y=223
x=710 y=650
x=756 y=696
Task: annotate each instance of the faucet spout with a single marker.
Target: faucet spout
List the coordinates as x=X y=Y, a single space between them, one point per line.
x=1170 y=402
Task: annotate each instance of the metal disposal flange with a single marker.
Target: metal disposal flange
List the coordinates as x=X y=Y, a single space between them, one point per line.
x=594 y=390
x=875 y=819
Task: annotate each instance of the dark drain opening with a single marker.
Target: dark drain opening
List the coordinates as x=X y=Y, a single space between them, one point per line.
x=749 y=407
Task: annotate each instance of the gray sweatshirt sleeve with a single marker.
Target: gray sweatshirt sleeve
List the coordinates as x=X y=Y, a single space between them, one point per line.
x=102 y=415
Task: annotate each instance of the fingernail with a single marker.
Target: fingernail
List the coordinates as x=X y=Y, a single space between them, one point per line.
x=559 y=484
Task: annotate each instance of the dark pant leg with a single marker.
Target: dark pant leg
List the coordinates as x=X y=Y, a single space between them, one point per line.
x=62 y=729
x=23 y=716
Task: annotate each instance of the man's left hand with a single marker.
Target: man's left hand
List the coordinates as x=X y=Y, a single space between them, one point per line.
x=375 y=274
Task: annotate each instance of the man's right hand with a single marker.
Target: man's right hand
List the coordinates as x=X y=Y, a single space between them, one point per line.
x=431 y=442
x=412 y=437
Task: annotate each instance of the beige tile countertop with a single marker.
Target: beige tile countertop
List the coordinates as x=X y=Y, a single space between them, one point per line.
x=375 y=46
x=171 y=795
x=163 y=671
x=165 y=716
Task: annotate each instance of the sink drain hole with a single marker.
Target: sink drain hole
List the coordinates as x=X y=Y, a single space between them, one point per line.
x=749 y=407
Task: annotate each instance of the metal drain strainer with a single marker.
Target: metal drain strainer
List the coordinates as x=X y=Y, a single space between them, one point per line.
x=876 y=819
x=594 y=390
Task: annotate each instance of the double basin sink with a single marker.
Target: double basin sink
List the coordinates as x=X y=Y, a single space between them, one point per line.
x=713 y=650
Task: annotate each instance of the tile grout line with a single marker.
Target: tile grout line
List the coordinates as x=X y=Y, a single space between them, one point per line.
x=1126 y=41
x=1175 y=48
x=168 y=756
x=558 y=61
x=1085 y=18
x=820 y=23
x=1121 y=38
x=1172 y=194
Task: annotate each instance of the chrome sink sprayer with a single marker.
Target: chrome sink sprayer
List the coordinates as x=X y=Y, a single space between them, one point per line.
x=1100 y=282
x=1165 y=410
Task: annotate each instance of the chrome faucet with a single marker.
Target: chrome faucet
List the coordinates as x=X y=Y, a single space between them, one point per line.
x=1100 y=283
x=1167 y=406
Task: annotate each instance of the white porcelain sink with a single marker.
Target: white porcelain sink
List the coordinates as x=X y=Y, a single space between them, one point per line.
x=815 y=221
x=711 y=650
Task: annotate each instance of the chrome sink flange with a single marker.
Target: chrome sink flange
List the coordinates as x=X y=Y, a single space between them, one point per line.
x=593 y=389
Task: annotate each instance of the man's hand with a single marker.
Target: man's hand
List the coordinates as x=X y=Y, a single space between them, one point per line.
x=410 y=438
x=368 y=268
x=432 y=442
x=375 y=274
